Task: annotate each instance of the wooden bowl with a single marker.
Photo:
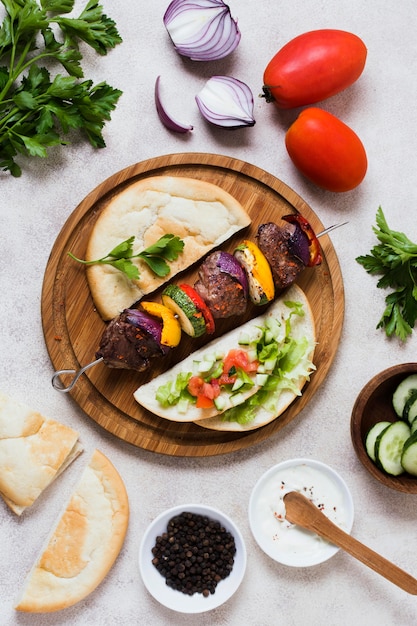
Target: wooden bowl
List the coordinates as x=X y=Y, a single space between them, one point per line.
x=374 y=404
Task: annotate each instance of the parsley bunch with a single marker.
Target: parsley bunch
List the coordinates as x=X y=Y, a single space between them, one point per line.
x=395 y=259
x=167 y=248
x=36 y=109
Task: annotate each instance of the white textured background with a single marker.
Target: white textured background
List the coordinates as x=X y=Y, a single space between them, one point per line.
x=382 y=108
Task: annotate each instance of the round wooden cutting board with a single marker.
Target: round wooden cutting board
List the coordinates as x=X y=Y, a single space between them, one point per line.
x=73 y=328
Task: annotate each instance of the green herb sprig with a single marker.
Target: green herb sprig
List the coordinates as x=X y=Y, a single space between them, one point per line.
x=156 y=256
x=36 y=110
x=395 y=259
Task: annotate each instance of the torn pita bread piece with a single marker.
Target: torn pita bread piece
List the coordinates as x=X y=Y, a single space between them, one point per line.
x=85 y=543
x=34 y=450
x=203 y=215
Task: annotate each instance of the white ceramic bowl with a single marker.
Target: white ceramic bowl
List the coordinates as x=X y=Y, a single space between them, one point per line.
x=287 y=543
x=176 y=600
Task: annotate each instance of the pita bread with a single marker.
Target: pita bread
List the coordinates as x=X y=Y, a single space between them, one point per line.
x=33 y=452
x=211 y=417
x=202 y=214
x=85 y=543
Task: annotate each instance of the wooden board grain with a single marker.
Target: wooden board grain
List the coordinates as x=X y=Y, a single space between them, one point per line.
x=73 y=328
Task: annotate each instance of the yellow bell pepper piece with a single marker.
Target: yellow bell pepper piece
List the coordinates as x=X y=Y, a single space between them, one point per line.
x=171 y=328
x=261 y=269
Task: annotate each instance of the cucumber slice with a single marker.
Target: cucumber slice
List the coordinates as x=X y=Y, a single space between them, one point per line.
x=410 y=408
x=261 y=379
x=389 y=447
x=205 y=365
x=413 y=426
x=220 y=403
x=405 y=389
x=190 y=317
x=371 y=437
x=409 y=455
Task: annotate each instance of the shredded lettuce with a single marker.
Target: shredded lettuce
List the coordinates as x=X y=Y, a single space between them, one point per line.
x=293 y=363
x=174 y=390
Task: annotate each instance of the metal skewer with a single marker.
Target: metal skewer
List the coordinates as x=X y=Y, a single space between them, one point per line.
x=57 y=383
x=330 y=228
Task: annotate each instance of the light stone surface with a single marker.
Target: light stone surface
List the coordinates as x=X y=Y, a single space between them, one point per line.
x=381 y=108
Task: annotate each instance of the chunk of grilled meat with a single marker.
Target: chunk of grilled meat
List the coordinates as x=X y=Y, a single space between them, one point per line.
x=126 y=346
x=223 y=293
x=281 y=247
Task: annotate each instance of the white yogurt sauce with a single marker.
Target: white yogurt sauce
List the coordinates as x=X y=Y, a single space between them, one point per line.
x=286 y=542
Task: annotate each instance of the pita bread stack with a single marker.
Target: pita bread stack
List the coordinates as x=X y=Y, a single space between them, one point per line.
x=202 y=214
x=84 y=544
x=34 y=450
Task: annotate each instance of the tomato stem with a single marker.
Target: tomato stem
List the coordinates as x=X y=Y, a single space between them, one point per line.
x=267 y=94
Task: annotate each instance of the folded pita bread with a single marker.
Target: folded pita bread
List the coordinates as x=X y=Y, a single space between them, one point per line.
x=85 y=543
x=33 y=452
x=202 y=214
x=266 y=413
x=301 y=327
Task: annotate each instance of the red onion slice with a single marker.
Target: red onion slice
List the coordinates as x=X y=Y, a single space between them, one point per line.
x=298 y=244
x=148 y=324
x=229 y=264
x=227 y=102
x=167 y=120
x=202 y=30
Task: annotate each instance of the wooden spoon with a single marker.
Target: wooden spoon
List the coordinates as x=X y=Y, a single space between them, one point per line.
x=301 y=511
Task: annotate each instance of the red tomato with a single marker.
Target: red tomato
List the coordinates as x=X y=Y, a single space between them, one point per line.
x=238 y=359
x=326 y=150
x=195 y=385
x=204 y=402
x=314 y=66
x=203 y=391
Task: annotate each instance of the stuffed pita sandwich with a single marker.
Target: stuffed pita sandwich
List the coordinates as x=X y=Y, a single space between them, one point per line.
x=252 y=373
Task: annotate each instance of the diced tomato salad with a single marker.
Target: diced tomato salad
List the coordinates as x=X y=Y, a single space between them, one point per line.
x=207 y=391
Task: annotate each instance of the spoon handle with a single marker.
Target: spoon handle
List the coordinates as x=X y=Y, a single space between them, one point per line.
x=324 y=527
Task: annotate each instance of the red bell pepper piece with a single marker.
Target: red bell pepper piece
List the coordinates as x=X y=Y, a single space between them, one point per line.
x=201 y=305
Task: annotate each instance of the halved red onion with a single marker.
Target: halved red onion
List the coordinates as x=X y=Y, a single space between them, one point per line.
x=226 y=102
x=167 y=120
x=148 y=324
x=202 y=30
x=229 y=264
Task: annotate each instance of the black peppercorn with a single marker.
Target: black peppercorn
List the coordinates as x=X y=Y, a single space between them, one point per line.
x=194 y=554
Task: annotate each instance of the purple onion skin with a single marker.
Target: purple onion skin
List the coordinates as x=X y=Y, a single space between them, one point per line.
x=229 y=264
x=148 y=324
x=298 y=244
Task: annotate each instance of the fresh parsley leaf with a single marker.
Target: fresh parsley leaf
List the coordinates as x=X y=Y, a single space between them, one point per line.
x=394 y=258
x=123 y=250
x=58 y=6
x=93 y=27
x=167 y=248
x=36 y=110
x=126 y=266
